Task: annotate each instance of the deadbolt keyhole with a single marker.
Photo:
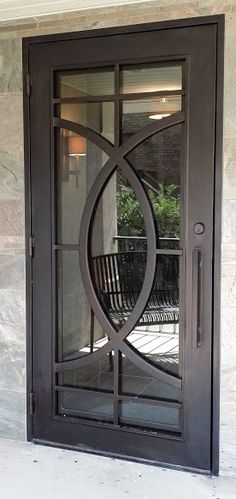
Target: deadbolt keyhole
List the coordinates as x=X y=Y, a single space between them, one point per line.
x=199 y=228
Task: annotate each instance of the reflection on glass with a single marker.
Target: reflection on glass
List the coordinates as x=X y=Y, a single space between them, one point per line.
x=97 y=375
x=156 y=337
x=151 y=79
x=80 y=161
x=118 y=255
x=118 y=249
x=118 y=269
x=80 y=332
x=122 y=218
x=87 y=83
x=157 y=160
x=136 y=414
x=135 y=381
x=136 y=114
x=84 y=404
x=99 y=116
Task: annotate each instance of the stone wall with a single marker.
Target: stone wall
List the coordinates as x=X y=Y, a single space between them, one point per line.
x=12 y=280
x=12 y=276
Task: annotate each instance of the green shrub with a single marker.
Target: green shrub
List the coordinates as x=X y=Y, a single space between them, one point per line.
x=165 y=204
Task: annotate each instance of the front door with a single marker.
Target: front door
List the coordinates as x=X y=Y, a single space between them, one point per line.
x=122 y=131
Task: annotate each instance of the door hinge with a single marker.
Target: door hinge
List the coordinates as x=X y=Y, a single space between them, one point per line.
x=28 y=84
x=31 y=246
x=31 y=403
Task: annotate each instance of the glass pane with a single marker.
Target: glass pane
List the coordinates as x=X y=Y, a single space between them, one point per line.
x=118 y=249
x=79 y=163
x=158 y=162
x=135 y=381
x=99 y=116
x=87 y=83
x=79 y=331
x=136 y=114
x=156 y=337
x=135 y=414
x=97 y=375
x=151 y=79
x=87 y=405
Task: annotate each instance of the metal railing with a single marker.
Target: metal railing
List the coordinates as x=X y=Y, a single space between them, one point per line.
x=136 y=243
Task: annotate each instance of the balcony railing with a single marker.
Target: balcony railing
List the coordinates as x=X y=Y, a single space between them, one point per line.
x=138 y=243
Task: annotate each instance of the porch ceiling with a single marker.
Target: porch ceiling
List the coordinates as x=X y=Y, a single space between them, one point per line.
x=15 y=9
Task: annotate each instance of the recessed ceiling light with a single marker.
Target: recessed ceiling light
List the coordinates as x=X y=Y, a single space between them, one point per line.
x=72 y=154
x=159 y=116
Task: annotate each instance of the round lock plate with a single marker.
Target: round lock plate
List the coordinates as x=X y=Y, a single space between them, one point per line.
x=198 y=228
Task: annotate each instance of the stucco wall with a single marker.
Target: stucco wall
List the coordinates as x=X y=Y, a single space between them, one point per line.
x=12 y=276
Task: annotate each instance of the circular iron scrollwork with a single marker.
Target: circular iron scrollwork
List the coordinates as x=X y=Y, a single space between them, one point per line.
x=117 y=339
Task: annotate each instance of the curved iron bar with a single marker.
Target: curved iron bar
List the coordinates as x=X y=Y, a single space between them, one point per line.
x=103 y=177
x=86 y=133
x=130 y=143
x=116 y=339
x=147 y=284
x=85 y=226
x=78 y=362
x=149 y=131
x=142 y=363
x=132 y=354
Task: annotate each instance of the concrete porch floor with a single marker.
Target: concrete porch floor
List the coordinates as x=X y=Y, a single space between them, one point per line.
x=31 y=471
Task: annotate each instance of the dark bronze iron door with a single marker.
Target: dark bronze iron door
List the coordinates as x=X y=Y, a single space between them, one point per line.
x=122 y=131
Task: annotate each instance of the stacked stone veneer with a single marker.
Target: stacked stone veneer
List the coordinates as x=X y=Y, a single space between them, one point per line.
x=12 y=276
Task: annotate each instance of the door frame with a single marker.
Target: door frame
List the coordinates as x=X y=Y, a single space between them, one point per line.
x=218 y=20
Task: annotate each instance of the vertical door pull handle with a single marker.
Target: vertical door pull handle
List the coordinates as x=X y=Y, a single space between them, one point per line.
x=196 y=298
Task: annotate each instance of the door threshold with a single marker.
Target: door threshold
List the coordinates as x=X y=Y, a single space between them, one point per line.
x=148 y=462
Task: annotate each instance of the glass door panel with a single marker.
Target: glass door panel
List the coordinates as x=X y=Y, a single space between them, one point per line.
x=151 y=78
x=85 y=83
x=106 y=225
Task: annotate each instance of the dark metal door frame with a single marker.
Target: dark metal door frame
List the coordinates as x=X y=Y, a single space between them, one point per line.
x=218 y=21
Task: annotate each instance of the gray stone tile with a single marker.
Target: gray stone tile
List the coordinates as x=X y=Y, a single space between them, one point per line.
x=228 y=396
x=12 y=271
x=211 y=7
x=178 y=10
x=229 y=103
x=230 y=40
x=12 y=366
x=228 y=451
x=12 y=415
x=11 y=217
x=11 y=123
x=228 y=254
x=12 y=244
x=228 y=341
x=228 y=279
x=12 y=29
x=12 y=174
x=229 y=221
x=229 y=177
x=12 y=315
x=10 y=65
